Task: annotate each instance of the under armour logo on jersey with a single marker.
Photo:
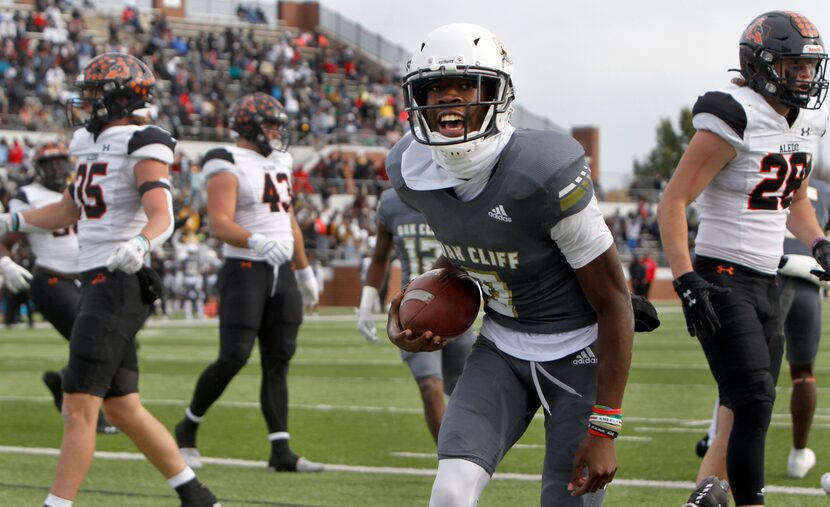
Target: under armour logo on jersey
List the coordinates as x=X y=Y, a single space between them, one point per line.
x=805 y=132
x=687 y=295
x=499 y=213
x=729 y=271
x=105 y=147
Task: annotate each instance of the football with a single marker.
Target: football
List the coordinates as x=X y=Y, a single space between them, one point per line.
x=444 y=301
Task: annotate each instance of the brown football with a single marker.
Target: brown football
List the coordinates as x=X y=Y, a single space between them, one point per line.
x=444 y=301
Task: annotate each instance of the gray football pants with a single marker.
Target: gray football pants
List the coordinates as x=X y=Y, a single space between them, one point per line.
x=495 y=400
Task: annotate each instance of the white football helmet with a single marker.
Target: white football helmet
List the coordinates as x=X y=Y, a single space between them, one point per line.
x=466 y=51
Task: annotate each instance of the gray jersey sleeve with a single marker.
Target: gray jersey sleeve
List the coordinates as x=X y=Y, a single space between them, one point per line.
x=568 y=179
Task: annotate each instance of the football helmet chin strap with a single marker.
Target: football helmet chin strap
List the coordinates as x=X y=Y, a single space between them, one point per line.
x=466 y=160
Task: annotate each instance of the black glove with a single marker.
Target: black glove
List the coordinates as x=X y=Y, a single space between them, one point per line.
x=694 y=293
x=645 y=315
x=821 y=252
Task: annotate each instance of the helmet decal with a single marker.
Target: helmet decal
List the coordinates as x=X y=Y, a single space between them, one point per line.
x=756 y=31
x=804 y=26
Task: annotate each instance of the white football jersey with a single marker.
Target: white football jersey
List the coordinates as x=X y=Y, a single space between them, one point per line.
x=105 y=187
x=743 y=211
x=56 y=250
x=264 y=194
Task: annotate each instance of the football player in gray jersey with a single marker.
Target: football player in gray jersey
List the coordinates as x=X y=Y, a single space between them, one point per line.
x=406 y=229
x=748 y=168
x=516 y=210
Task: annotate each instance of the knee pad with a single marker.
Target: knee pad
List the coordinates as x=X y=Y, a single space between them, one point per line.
x=236 y=353
x=226 y=370
x=274 y=364
x=751 y=400
x=459 y=483
x=757 y=387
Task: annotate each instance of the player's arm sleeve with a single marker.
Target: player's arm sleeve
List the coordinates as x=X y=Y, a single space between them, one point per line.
x=584 y=236
x=721 y=114
x=152 y=143
x=217 y=160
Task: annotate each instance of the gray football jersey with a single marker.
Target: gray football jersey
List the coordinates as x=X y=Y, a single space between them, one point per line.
x=502 y=236
x=819 y=195
x=413 y=238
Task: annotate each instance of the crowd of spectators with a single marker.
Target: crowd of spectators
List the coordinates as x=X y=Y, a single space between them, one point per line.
x=325 y=87
x=329 y=93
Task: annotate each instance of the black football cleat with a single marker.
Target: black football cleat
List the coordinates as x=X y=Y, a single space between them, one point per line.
x=712 y=492
x=196 y=494
x=293 y=464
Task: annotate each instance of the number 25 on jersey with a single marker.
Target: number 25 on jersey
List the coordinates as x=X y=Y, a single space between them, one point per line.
x=90 y=196
x=786 y=172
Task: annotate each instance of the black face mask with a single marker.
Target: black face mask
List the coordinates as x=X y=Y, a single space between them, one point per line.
x=53 y=173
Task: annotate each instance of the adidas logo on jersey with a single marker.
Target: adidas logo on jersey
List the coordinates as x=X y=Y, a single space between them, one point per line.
x=500 y=214
x=586 y=356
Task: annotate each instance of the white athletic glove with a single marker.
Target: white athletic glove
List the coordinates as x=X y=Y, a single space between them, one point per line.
x=5 y=223
x=365 y=319
x=17 y=277
x=275 y=253
x=129 y=255
x=308 y=285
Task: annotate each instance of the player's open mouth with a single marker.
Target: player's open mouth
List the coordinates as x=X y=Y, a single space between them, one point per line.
x=451 y=124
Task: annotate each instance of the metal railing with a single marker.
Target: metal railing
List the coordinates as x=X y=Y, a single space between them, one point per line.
x=222 y=12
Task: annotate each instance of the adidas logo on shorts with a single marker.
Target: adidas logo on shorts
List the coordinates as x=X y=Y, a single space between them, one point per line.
x=586 y=356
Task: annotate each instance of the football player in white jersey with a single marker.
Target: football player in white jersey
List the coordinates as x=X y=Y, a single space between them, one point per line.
x=747 y=167
x=249 y=204
x=122 y=205
x=54 y=286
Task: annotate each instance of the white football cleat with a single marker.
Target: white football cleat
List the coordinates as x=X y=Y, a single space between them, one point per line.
x=191 y=457
x=304 y=465
x=800 y=462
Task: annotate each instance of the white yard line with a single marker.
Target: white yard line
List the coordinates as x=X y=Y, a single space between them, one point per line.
x=690 y=425
x=424 y=472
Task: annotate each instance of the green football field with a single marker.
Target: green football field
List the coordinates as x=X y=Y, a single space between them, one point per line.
x=355 y=408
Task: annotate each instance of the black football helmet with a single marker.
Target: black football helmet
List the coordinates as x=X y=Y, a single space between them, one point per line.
x=52 y=165
x=247 y=115
x=112 y=85
x=780 y=35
